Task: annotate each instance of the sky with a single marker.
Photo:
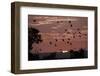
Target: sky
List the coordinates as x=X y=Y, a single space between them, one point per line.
x=59 y=33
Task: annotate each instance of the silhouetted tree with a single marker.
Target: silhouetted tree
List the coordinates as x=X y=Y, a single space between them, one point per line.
x=33 y=37
x=83 y=53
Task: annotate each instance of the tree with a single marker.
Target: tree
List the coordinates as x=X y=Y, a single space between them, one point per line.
x=33 y=37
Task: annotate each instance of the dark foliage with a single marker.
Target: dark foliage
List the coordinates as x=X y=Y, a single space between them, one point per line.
x=33 y=37
x=72 y=54
x=78 y=54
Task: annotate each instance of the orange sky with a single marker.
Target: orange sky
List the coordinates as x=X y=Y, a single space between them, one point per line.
x=59 y=33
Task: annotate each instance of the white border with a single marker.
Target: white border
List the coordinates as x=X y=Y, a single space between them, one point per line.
x=25 y=64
